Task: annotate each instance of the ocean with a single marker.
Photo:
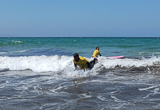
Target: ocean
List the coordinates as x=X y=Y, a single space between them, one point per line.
x=38 y=74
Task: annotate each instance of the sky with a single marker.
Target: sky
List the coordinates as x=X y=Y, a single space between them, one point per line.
x=79 y=18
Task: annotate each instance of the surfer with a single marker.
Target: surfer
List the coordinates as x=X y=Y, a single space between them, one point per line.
x=82 y=62
x=96 y=52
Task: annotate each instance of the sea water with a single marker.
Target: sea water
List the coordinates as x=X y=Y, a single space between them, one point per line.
x=38 y=74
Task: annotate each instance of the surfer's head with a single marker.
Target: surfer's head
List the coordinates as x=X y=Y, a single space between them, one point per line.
x=97 y=48
x=76 y=57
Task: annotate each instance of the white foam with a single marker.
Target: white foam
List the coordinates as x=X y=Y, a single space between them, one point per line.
x=147 y=88
x=17 y=42
x=111 y=63
x=65 y=63
x=3 y=53
x=102 y=98
x=35 y=63
x=21 y=51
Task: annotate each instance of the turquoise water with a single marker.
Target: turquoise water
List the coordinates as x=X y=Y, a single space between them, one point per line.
x=38 y=74
x=129 y=47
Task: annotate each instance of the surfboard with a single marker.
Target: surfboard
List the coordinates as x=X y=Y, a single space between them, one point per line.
x=114 y=57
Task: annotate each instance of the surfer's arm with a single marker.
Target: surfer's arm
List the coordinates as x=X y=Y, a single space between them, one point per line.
x=99 y=54
x=88 y=64
x=75 y=66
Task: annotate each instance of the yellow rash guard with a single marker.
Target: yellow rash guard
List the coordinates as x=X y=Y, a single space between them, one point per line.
x=96 y=53
x=82 y=63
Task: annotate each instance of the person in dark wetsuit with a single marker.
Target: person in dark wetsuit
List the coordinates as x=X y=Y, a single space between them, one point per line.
x=82 y=62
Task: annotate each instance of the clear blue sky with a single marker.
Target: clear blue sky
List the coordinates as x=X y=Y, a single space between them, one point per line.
x=80 y=18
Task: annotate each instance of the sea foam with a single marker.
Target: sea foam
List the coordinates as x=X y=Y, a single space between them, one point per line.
x=65 y=63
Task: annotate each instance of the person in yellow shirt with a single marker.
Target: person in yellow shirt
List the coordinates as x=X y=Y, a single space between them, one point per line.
x=96 y=52
x=82 y=62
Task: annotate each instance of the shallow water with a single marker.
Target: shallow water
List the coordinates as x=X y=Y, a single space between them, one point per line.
x=102 y=88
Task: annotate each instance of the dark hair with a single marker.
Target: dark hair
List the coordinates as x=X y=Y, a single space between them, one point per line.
x=76 y=54
x=97 y=47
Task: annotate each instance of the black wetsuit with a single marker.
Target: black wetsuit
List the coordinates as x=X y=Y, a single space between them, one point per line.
x=91 y=64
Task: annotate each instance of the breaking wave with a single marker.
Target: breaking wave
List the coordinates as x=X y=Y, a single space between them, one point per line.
x=61 y=63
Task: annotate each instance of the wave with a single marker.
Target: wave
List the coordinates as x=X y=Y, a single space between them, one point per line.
x=1 y=53
x=65 y=63
x=11 y=42
x=20 y=51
